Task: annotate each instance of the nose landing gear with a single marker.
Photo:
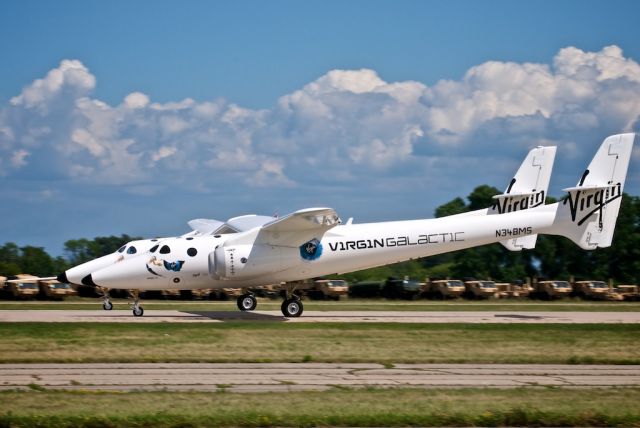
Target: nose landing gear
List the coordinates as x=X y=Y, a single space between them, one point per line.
x=106 y=303
x=135 y=306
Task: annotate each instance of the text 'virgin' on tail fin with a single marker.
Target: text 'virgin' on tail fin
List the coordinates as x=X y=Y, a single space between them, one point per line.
x=588 y=214
x=527 y=189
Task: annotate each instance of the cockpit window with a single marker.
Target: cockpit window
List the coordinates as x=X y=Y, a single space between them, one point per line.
x=121 y=249
x=165 y=249
x=132 y=250
x=154 y=248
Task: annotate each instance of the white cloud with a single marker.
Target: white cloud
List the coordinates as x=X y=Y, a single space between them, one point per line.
x=136 y=100
x=163 y=152
x=71 y=75
x=344 y=127
x=19 y=158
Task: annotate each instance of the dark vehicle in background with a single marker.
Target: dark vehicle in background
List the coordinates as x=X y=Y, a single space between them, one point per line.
x=366 y=289
x=406 y=289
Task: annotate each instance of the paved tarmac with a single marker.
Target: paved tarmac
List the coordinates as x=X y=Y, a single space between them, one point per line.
x=156 y=316
x=280 y=377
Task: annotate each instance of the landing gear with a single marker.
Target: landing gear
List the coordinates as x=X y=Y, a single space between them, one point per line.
x=135 y=306
x=292 y=306
x=106 y=303
x=247 y=302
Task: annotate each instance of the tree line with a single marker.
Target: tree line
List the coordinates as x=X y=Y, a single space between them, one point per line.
x=554 y=257
x=36 y=261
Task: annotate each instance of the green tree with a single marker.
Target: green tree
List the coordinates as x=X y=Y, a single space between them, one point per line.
x=36 y=261
x=456 y=206
x=82 y=250
x=9 y=259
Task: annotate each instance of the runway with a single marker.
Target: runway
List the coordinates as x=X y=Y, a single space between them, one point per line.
x=283 y=377
x=160 y=316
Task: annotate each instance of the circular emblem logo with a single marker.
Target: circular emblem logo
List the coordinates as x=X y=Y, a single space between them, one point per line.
x=311 y=250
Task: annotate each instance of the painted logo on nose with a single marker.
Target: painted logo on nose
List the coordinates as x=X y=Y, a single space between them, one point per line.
x=311 y=250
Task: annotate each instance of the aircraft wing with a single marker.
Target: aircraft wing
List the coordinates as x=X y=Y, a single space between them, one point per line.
x=299 y=227
x=205 y=226
x=30 y=279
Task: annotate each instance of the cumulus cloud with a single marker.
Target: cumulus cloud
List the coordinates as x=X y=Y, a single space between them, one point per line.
x=347 y=126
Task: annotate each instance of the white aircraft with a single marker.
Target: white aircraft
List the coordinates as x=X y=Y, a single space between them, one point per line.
x=251 y=251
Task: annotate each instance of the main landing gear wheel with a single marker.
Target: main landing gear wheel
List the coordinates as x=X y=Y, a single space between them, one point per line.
x=247 y=302
x=138 y=311
x=292 y=307
x=107 y=305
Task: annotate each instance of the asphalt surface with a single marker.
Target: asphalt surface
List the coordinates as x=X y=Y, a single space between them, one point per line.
x=155 y=316
x=310 y=376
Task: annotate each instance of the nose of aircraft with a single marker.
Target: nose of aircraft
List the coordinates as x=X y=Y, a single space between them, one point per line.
x=76 y=274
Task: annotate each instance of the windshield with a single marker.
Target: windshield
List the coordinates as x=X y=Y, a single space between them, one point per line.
x=59 y=286
x=599 y=284
x=337 y=283
x=28 y=285
x=487 y=284
x=455 y=284
x=561 y=284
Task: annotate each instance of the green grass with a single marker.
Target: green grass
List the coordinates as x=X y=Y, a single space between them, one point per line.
x=385 y=343
x=344 y=305
x=339 y=407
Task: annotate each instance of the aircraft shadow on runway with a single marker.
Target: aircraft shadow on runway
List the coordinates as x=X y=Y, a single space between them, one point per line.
x=236 y=316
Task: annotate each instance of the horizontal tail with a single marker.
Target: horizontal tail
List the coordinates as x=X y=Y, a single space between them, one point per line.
x=588 y=214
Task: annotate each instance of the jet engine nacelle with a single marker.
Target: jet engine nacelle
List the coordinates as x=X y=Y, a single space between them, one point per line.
x=250 y=261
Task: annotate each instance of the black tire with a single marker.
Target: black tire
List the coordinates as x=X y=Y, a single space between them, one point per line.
x=247 y=302
x=292 y=308
x=138 y=312
x=107 y=306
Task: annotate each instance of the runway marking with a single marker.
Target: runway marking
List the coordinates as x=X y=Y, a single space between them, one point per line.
x=254 y=377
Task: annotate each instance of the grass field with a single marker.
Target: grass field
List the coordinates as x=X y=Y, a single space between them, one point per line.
x=344 y=305
x=339 y=407
x=253 y=341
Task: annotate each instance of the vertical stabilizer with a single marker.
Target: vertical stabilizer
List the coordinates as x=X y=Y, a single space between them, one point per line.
x=588 y=214
x=527 y=189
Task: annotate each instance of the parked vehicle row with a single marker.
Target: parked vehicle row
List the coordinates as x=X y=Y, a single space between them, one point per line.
x=30 y=287
x=25 y=286
x=484 y=289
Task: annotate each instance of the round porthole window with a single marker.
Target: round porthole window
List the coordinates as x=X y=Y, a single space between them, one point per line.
x=192 y=252
x=243 y=260
x=176 y=280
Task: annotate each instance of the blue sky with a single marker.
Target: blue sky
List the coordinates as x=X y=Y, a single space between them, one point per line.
x=294 y=104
